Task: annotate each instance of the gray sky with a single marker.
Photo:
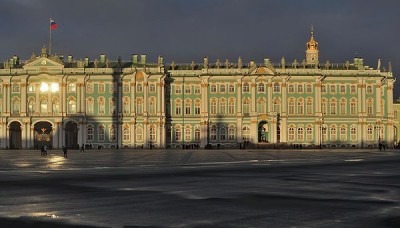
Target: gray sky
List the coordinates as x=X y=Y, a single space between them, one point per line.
x=186 y=30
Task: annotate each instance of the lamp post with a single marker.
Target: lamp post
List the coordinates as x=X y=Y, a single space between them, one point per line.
x=321 y=129
x=378 y=128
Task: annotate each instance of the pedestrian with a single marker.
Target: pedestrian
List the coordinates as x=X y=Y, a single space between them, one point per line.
x=41 y=151
x=45 y=150
x=65 y=151
x=82 y=148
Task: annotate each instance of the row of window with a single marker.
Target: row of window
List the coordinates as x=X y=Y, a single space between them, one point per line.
x=301 y=134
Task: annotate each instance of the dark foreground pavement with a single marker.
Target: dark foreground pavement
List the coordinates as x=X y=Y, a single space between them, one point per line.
x=197 y=188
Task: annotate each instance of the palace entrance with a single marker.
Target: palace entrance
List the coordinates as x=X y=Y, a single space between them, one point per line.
x=43 y=134
x=263 y=131
x=15 y=135
x=71 y=135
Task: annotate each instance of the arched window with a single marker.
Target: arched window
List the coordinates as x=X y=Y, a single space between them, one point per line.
x=126 y=133
x=333 y=107
x=188 y=133
x=231 y=88
x=353 y=133
x=309 y=133
x=343 y=133
x=72 y=87
x=369 y=133
x=231 y=133
x=113 y=106
x=343 y=104
x=261 y=107
x=300 y=88
x=102 y=87
x=291 y=88
x=353 y=107
x=197 y=134
x=100 y=133
x=102 y=106
x=333 y=89
x=342 y=89
x=323 y=88
x=291 y=107
x=197 y=107
x=277 y=88
x=369 y=107
x=178 y=134
x=222 y=133
x=152 y=106
x=324 y=108
x=89 y=133
x=89 y=106
x=291 y=134
x=213 y=108
x=152 y=88
x=300 y=106
x=126 y=105
x=300 y=134
x=308 y=88
x=139 y=105
x=222 y=88
x=178 y=107
x=188 y=107
x=369 y=89
x=261 y=88
x=15 y=88
x=246 y=87
x=353 y=89
x=139 y=88
x=213 y=88
x=277 y=106
x=112 y=133
x=213 y=133
x=139 y=134
x=152 y=133
x=55 y=106
x=31 y=107
x=231 y=106
x=222 y=106
x=309 y=106
x=43 y=106
x=126 y=87
x=246 y=106
x=89 y=88
x=333 y=133
x=71 y=106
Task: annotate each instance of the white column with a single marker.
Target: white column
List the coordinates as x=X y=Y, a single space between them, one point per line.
x=23 y=98
x=145 y=132
x=133 y=134
x=32 y=135
x=133 y=89
x=83 y=98
x=55 y=135
x=23 y=135
x=253 y=96
x=4 y=108
x=378 y=97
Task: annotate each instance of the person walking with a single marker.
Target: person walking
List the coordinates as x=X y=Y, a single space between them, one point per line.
x=65 y=151
x=82 y=148
x=45 y=150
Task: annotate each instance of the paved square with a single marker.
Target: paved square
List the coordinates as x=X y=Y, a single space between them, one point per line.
x=200 y=188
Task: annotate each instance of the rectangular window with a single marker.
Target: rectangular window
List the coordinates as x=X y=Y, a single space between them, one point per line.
x=197 y=89
x=178 y=89
x=126 y=87
x=188 y=89
x=101 y=88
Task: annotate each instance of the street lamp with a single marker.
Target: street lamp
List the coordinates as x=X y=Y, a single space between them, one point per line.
x=378 y=128
x=322 y=128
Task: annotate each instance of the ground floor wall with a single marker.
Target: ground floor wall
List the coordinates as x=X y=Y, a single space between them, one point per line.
x=178 y=132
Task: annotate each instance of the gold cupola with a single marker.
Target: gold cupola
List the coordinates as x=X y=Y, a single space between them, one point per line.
x=312 y=50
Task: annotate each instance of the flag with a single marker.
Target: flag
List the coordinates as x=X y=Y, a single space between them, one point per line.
x=53 y=24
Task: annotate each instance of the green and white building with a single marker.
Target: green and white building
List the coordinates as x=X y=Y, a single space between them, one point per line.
x=56 y=101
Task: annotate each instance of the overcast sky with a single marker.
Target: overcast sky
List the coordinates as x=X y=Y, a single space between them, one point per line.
x=186 y=30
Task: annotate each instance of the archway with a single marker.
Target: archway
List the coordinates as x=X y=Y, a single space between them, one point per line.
x=263 y=131
x=43 y=134
x=71 y=135
x=15 y=135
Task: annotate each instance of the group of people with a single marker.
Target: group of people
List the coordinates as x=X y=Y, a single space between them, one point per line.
x=43 y=150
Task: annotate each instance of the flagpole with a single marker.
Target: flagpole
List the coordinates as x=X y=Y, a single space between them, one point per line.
x=50 y=37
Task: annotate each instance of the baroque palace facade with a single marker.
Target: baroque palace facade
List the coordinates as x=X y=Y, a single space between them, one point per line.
x=56 y=101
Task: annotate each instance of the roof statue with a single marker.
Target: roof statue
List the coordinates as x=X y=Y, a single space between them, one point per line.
x=379 y=64
x=312 y=44
x=240 y=63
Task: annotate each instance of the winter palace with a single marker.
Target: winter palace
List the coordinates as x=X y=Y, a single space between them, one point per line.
x=59 y=101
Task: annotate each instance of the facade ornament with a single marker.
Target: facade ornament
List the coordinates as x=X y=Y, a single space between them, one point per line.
x=173 y=65
x=295 y=64
x=390 y=67
x=379 y=65
x=160 y=61
x=267 y=63
x=218 y=63
x=108 y=63
x=227 y=63
x=192 y=65
x=80 y=63
x=327 y=64
x=304 y=63
x=205 y=62
x=347 y=64
x=283 y=63
x=240 y=63
x=43 y=52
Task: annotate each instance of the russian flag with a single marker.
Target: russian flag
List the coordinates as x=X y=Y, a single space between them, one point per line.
x=53 y=24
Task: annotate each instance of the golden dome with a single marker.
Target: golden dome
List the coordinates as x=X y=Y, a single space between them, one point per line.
x=312 y=44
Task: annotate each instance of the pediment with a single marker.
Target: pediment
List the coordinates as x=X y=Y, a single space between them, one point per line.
x=43 y=63
x=263 y=70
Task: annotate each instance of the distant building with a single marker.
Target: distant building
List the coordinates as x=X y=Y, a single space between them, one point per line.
x=56 y=101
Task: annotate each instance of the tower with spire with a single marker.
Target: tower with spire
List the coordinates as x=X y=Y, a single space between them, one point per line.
x=312 y=50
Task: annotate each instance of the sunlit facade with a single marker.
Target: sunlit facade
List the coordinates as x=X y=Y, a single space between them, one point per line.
x=50 y=100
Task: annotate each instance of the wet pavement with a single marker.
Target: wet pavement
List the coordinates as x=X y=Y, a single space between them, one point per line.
x=200 y=188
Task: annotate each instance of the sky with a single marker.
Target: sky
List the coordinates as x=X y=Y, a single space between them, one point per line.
x=186 y=30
